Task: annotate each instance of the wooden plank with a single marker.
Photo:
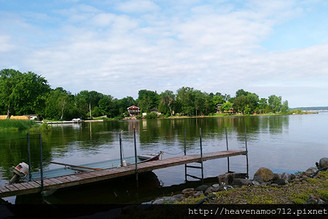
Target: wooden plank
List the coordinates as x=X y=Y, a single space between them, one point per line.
x=62 y=179
x=28 y=186
x=3 y=189
x=19 y=186
x=11 y=187
x=34 y=184
x=56 y=181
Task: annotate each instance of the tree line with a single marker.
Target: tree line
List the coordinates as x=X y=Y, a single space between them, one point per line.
x=29 y=93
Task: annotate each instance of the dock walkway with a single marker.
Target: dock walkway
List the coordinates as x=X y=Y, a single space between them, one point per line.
x=105 y=174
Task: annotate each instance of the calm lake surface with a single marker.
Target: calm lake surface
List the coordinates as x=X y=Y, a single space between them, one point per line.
x=281 y=143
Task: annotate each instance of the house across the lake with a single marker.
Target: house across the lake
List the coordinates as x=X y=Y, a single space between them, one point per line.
x=133 y=110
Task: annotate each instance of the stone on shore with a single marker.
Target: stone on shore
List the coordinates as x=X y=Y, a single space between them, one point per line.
x=228 y=178
x=309 y=172
x=265 y=173
x=323 y=162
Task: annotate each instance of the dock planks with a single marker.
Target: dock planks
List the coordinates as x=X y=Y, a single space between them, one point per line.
x=105 y=174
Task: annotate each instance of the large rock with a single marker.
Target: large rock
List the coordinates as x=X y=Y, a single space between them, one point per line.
x=309 y=172
x=242 y=182
x=265 y=173
x=228 y=178
x=202 y=188
x=288 y=176
x=188 y=192
x=323 y=162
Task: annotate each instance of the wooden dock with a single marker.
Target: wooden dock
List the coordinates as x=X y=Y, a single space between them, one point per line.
x=105 y=174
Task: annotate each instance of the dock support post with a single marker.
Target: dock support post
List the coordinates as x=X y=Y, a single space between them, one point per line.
x=29 y=157
x=201 y=153
x=246 y=152
x=185 y=143
x=185 y=152
x=226 y=134
x=135 y=154
x=41 y=164
x=121 y=153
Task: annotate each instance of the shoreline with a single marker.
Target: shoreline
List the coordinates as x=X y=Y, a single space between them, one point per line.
x=308 y=187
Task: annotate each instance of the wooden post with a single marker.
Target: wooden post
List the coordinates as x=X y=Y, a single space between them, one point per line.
x=201 y=153
x=29 y=157
x=185 y=143
x=226 y=134
x=135 y=154
x=121 y=153
x=246 y=147
x=41 y=164
x=185 y=153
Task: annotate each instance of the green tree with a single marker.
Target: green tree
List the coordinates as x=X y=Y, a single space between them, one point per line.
x=108 y=106
x=22 y=93
x=200 y=99
x=60 y=105
x=166 y=102
x=263 y=105
x=285 y=108
x=227 y=106
x=87 y=100
x=241 y=92
x=240 y=103
x=275 y=103
x=186 y=100
x=147 y=100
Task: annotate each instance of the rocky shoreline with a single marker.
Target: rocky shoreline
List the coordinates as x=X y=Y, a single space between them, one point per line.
x=264 y=180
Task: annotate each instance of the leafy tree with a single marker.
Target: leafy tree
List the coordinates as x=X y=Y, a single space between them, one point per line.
x=200 y=99
x=108 y=106
x=275 y=103
x=186 y=100
x=227 y=106
x=166 y=102
x=241 y=92
x=210 y=106
x=285 y=108
x=239 y=103
x=147 y=100
x=252 y=102
x=22 y=93
x=60 y=105
x=263 y=105
x=218 y=100
x=86 y=100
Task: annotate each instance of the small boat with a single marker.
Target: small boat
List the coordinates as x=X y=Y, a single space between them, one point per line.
x=70 y=169
x=149 y=157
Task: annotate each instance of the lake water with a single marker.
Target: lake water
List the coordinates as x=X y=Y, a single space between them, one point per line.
x=281 y=143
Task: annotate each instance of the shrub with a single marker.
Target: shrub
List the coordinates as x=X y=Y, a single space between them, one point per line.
x=13 y=124
x=151 y=115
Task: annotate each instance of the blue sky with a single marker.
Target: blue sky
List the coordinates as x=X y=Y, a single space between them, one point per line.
x=119 y=47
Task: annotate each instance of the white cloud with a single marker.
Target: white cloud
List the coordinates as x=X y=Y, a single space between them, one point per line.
x=137 y=6
x=214 y=49
x=6 y=46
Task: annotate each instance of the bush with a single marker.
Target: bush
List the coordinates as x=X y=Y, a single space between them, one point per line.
x=13 y=124
x=151 y=115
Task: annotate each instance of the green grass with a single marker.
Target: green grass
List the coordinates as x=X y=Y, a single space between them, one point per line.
x=16 y=125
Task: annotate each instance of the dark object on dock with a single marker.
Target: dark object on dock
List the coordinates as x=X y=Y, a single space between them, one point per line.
x=149 y=157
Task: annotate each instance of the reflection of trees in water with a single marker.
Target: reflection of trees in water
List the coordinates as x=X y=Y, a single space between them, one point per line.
x=171 y=130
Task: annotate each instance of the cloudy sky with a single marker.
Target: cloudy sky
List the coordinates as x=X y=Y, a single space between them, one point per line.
x=119 y=47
